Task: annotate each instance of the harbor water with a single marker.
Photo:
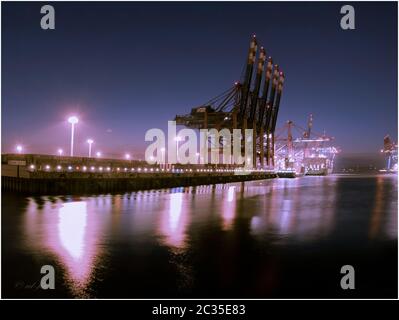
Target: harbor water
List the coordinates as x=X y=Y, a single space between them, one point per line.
x=278 y=238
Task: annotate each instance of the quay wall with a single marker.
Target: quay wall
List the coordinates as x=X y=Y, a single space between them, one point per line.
x=94 y=183
x=48 y=174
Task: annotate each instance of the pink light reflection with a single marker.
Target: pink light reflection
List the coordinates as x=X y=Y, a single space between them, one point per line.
x=71 y=232
x=229 y=208
x=75 y=242
x=71 y=228
x=174 y=221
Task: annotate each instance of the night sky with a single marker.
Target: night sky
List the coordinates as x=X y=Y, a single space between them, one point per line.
x=124 y=68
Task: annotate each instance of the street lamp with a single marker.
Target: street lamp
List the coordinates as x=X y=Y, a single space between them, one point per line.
x=98 y=154
x=19 y=148
x=60 y=152
x=90 y=142
x=72 y=120
x=127 y=156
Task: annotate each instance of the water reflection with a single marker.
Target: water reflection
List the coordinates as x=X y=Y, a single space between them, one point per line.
x=174 y=221
x=181 y=234
x=385 y=200
x=229 y=208
x=72 y=218
x=377 y=213
x=293 y=212
x=71 y=233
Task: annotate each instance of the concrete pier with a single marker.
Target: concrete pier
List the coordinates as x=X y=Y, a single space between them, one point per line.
x=43 y=175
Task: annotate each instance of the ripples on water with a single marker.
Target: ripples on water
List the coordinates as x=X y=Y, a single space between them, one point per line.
x=272 y=238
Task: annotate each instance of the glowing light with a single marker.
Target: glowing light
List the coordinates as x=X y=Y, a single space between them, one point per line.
x=98 y=154
x=230 y=193
x=71 y=235
x=92 y=168
x=229 y=208
x=90 y=142
x=71 y=228
x=59 y=167
x=32 y=166
x=174 y=222
x=108 y=169
x=69 y=168
x=60 y=152
x=19 y=148
x=84 y=168
x=127 y=156
x=47 y=167
x=72 y=120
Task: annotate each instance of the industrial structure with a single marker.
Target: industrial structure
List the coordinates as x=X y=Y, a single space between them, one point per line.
x=251 y=104
x=391 y=155
x=310 y=153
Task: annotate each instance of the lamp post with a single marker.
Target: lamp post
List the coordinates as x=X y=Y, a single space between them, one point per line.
x=90 y=142
x=72 y=120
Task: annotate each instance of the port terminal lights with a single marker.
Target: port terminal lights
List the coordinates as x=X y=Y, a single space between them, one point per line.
x=72 y=120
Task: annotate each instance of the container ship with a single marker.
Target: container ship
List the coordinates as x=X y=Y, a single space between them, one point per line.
x=309 y=153
x=390 y=152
